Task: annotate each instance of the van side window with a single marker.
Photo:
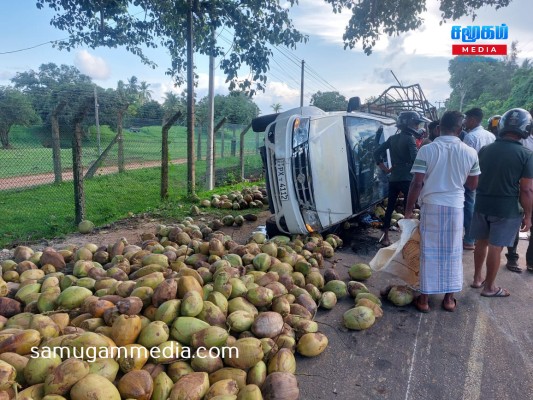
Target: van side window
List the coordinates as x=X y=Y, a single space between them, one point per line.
x=363 y=136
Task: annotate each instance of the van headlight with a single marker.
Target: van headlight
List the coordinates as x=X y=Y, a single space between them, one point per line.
x=300 y=131
x=312 y=221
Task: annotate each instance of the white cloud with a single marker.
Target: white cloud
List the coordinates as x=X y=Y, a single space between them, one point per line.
x=277 y=92
x=317 y=19
x=91 y=65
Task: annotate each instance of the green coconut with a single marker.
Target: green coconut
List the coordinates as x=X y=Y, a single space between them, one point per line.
x=358 y=318
x=360 y=271
x=85 y=226
x=400 y=295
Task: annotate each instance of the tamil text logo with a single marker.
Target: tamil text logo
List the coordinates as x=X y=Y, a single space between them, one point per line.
x=469 y=35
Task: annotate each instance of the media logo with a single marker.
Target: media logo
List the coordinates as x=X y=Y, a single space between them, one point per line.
x=471 y=34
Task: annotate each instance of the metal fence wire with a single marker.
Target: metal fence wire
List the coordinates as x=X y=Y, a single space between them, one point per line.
x=31 y=187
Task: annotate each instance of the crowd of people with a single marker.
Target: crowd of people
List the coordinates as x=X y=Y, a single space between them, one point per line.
x=474 y=188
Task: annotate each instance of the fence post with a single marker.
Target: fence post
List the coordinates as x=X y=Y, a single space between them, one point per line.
x=222 y=134
x=56 y=143
x=77 y=166
x=233 y=144
x=120 y=119
x=199 y=145
x=217 y=128
x=164 y=153
x=241 y=154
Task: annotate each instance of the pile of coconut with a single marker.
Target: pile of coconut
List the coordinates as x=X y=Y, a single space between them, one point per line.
x=187 y=291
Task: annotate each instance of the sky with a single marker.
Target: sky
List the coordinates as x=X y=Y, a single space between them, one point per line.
x=420 y=56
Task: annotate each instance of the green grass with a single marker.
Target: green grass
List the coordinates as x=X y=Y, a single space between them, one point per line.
x=29 y=157
x=47 y=211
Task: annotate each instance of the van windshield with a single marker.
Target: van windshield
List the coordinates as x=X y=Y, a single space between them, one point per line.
x=368 y=182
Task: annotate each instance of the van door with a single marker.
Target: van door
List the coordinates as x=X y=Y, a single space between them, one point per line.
x=368 y=182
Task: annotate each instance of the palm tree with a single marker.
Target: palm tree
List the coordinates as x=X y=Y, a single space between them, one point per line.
x=276 y=107
x=145 y=93
x=133 y=85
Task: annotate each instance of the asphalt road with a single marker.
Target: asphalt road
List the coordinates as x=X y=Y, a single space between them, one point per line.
x=484 y=350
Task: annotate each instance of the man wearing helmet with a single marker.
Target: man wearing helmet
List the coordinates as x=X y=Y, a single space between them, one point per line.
x=512 y=253
x=402 y=153
x=476 y=137
x=492 y=125
x=504 y=198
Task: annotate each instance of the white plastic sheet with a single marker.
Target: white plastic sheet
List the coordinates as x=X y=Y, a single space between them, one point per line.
x=390 y=259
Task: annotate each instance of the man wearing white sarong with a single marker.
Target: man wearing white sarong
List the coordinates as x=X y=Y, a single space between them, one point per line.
x=441 y=170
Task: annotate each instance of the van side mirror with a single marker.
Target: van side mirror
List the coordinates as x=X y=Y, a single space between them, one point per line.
x=354 y=104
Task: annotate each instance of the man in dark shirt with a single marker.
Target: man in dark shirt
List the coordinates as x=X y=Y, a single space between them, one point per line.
x=402 y=153
x=504 y=197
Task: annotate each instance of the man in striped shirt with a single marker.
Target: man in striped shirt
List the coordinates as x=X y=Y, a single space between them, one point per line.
x=441 y=170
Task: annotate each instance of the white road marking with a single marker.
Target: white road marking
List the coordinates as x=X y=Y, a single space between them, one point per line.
x=474 y=372
x=408 y=391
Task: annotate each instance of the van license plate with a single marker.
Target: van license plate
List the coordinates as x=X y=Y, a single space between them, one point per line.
x=282 y=180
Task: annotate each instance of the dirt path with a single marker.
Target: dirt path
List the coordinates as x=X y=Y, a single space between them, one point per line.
x=18 y=182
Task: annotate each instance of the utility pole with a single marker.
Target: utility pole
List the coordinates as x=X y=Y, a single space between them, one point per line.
x=96 y=106
x=302 y=86
x=210 y=116
x=191 y=172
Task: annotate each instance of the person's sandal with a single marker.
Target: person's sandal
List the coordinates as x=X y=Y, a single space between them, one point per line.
x=529 y=268
x=516 y=268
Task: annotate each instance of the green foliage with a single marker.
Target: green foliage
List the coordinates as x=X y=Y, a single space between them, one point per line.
x=151 y=110
x=15 y=109
x=255 y=24
x=329 y=101
x=236 y=107
x=493 y=85
x=371 y=19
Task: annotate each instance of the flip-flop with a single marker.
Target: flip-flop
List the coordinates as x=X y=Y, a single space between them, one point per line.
x=477 y=287
x=501 y=292
x=514 y=268
x=530 y=268
x=449 y=309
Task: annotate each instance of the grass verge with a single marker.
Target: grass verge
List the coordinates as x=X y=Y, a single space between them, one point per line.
x=47 y=211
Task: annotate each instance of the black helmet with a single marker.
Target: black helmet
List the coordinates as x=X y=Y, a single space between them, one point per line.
x=492 y=123
x=516 y=120
x=407 y=118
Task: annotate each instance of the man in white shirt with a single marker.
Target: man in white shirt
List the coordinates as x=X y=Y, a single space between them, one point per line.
x=441 y=171
x=476 y=137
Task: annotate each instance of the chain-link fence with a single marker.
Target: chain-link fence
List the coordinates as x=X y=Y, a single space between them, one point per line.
x=121 y=173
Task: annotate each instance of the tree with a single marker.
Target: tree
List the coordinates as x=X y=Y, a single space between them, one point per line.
x=174 y=103
x=522 y=88
x=145 y=94
x=276 y=107
x=471 y=77
x=237 y=107
x=255 y=24
x=371 y=19
x=329 y=101
x=15 y=109
x=151 y=110
x=44 y=85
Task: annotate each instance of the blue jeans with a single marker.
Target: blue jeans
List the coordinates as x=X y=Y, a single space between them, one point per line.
x=470 y=199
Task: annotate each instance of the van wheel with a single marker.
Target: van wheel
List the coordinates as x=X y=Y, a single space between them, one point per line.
x=271 y=227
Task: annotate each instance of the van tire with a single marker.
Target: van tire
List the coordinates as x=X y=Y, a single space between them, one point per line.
x=271 y=227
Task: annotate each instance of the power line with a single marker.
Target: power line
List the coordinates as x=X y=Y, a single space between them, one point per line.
x=32 y=47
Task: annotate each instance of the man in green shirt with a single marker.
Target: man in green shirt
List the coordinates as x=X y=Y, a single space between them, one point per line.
x=504 y=197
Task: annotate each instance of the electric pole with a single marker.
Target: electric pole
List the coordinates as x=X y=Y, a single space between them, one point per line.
x=210 y=116
x=302 y=86
x=191 y=172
